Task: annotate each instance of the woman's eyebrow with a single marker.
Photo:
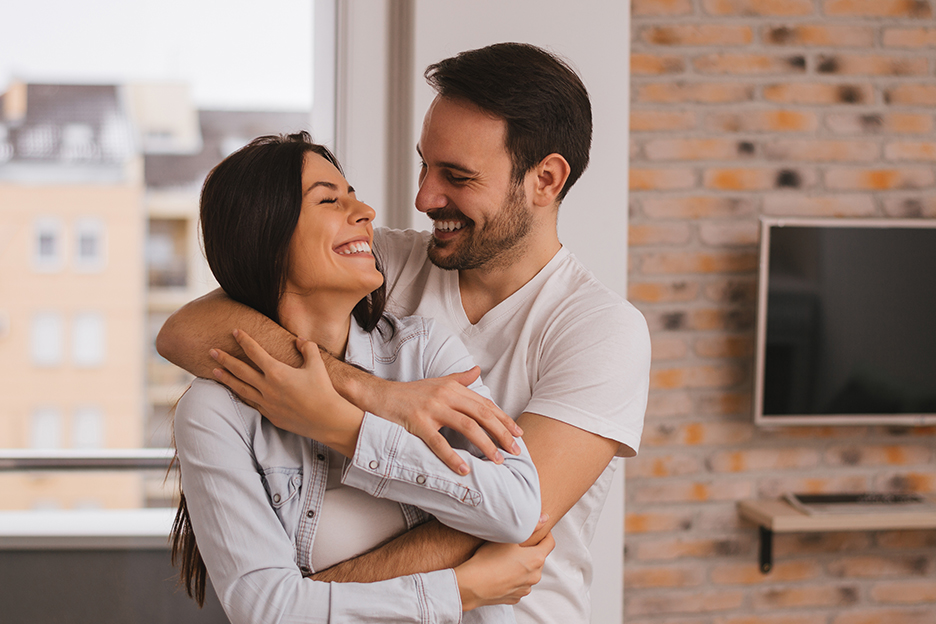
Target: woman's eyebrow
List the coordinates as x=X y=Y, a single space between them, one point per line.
x=328 y=185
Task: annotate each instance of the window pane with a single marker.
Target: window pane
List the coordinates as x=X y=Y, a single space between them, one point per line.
x=89 y=244
x=48 y=244
x=87 y=427
x=45 y=428
x=47 y=339
x=88 y=340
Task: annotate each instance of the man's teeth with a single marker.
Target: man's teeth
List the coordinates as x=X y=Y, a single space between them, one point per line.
x=355 y=247
x=449 y=226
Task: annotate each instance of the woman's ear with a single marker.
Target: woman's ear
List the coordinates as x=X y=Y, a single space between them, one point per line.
x=550 y=176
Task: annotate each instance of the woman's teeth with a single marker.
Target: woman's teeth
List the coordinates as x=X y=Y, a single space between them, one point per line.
x=353 y=248
x=449 y=226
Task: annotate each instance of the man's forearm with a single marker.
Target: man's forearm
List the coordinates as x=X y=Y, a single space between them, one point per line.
x=208 y=322
x=428 y=547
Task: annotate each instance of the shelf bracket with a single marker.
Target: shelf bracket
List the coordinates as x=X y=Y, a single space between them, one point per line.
x=766 y=549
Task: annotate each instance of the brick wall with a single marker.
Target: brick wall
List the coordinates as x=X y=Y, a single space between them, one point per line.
x=743 y=108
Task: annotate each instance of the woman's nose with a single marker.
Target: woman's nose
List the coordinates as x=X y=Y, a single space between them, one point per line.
x=363 y=212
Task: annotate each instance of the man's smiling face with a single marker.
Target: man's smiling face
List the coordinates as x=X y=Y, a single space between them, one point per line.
x=480 y=216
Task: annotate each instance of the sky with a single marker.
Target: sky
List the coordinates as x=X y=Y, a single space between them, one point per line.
x=235 y=54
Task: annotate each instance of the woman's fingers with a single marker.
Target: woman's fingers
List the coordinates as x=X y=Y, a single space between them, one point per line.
x=245 y=391
x=444 y=451
x=254 y=351
x=241 y=370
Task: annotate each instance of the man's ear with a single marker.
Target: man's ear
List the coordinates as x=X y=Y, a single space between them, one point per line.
x=549 y=176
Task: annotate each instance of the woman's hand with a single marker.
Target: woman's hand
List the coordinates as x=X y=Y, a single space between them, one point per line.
x=301 y=400
x=501 y=573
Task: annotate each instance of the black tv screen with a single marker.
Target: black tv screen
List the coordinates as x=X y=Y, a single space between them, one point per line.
x=846 y=329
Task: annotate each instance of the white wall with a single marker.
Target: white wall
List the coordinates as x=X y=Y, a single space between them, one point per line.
x=594 y=36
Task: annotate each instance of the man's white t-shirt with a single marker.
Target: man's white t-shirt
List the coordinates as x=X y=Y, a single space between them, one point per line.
x=563 y=346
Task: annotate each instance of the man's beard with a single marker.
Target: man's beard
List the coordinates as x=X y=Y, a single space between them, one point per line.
x=496 y=245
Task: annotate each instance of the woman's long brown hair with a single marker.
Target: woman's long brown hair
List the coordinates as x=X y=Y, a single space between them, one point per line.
x=249 y=207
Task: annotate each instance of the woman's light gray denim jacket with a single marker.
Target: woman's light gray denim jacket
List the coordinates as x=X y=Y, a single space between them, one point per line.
x=235 y=463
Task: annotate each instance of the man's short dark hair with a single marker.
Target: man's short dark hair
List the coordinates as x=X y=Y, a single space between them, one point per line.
x=541 y=99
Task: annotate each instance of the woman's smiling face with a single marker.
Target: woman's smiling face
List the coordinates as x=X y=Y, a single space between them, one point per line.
x=330 y=249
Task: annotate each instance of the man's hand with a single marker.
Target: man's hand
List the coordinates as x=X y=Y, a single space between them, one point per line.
x=302 y=400
x=501 y=573
x=423 y=407
x=289 y=397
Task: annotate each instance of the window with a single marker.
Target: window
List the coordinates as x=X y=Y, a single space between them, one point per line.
x=90 y=251
x=165 y=253
x=47 y=256
x=46 y=339
x=87 y=431
x=45 y=428
x=88 y=340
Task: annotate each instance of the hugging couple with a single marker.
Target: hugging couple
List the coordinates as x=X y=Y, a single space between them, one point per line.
x=341 y=458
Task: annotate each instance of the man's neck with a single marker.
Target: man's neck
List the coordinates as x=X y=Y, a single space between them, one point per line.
x=484 y=288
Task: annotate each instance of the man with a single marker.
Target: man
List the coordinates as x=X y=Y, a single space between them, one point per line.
x=501 y=145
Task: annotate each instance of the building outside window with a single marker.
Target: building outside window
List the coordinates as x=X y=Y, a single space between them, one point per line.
x=45 y=431
x=87 y=427
x=48 y=255
x=90 y=245
x=47 y=339
x=88 y=339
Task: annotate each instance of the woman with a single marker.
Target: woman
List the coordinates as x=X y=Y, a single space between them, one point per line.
x=285 y=234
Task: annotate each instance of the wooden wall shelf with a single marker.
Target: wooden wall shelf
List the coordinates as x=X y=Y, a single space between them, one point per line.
x=778 y=516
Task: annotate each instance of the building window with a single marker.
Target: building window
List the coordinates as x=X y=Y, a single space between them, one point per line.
x=90 y=250
x=88 y=340
x=45 y=428
x=47 y=255
x=87 y=431
x=166 y=253
x=46 y=339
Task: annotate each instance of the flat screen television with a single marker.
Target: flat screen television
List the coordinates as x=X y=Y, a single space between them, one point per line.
x=846 y=322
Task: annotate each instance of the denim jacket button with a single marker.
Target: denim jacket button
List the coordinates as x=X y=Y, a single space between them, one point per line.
x=374 y=464
x=421 y=479
x=276 y=498
x=310 y=513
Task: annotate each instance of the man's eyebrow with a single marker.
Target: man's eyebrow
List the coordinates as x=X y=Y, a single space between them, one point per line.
x=450 y=165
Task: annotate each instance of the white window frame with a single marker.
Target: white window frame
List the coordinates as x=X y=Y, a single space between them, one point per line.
x=94 y=228
x=54 y=262
x=89 y=340
x=45 y=428
x=47 y=339
x=87 y=427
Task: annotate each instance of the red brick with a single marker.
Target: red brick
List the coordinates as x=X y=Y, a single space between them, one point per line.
x=869 y=615
x=911 y=95
x=910 y=37
x=643 y=234
x=911 y=150
x=877 y=8
x=817 y=595
x=870 y=566
x=734 y=291
x=754 y=179
x=760 y=8
x=662 y=292
x=725 y=347
x=749 y=573
x=910 y=207
x=697 y=207
x=705 y=601
x=657 y=522
x=819 y=93
x=641 y=8
x=810 y=150
x=868 y=455
x=763 y=121
x=825 y=35
x=698 y=262
x=905 y=591
x=763 y=459
x=879 y=179
x=872 y=65
x=688 y=547
x=655 y=64
x=693 y=92
x=906 y=540
x=725 y=403
x=697 y=434
x=906 y=481
x=718 y=518
x=729 y=233
x=669 y=348
x=664 y=576
x=774 y=487
x=668 y=404
x=661 y=121
x=697 y=35
x=872 y=123
x=789 y=205
x=703 y=319
x=671 y=179
x=810 y=545
x=696 y=149
x=741 y=64
x=773 y=618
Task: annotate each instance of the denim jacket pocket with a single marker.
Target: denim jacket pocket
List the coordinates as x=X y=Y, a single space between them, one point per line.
x=282 y=485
